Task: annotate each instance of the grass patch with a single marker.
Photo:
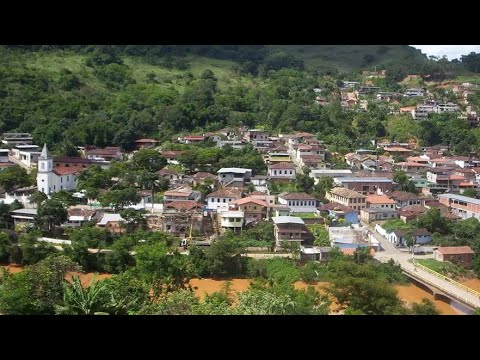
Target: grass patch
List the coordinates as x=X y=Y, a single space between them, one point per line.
x=445 y=268
x=396 y=224
x=306 y=216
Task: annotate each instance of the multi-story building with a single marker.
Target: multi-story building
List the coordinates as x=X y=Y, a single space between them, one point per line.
x=183 y=193
x=253 y=209
x=282 y=171
x=403 y=198
x=347 y=197
x=366 y=185
x=231 y=219
x=221 y=199
x=299 y=202
x=227 y=176
x=290 y=229
x=256 y=135
x=462 y=206
x=178 y=216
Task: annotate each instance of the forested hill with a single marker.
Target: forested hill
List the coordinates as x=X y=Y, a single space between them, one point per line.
x=111 y=95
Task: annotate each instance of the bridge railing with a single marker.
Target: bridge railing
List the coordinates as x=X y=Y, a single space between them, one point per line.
x=455 y=296
x=463 y=287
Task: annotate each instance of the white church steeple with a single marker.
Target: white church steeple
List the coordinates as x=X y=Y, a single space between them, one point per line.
x=45 y=171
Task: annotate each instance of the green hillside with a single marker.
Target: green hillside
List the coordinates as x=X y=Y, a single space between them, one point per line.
x=352 y=57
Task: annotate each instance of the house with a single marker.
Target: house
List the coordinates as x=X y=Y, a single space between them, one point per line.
x=182 y=193
x=171 y=175
x=399 y=237
x=231 y=219
x=203 y=177
x=280 y=210
x=377 y=214
x=314 y=253
x=228 y=176
x=192 y=139
x=25 y=155
x=17 y=139
x=178 y=216
x=317 y=174
x=215 y=137
x=276 y=157
x=462 y=206
x=282 y=171
x=221 y=199
x=23 y=218
x=236 y=144
x=254 y=209
x=337 y=211
x=171 y=156
x=414 y=92
x=52 y=179
x=351 y=238
x=312 y=161
x=303 y=150
x=269 y=199
x=78 y=215
x=366 y=185
x=397 y=150
x=112 y=222
x=145 y=143
x=290 y=229
x=461 y=255
x=299 y=202
x=4 y=155
x=403 y=198
x=106 y=154
x=380 y=202
x=347 y=197
x=256 y=135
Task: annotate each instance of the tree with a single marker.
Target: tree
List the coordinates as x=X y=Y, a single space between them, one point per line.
x=38 y=289
x=50 y=213
x=470 y=193
x=127 y=294
x=224 y=258
x=78 y=300
x=407 y=185
x=324 y=185
x=426 y=307
x=151 y=181
x=433 y=221
x=33 y=251
x=5 y=247
x=64 y=197
x=37 y=198
x=118 y=199
x=304 y=183
x=133 y=220
x=13 y=177
x=148 y=160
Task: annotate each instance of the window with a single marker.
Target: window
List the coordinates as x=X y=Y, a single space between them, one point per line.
x=274 y=172
x=68 y=178
x=212 y=200
x=61 y=179
x=218 y=200
x=54 y=187
x=224 y=200
x=290 y=172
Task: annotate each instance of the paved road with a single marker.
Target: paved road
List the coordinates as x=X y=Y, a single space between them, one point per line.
x=404 y=260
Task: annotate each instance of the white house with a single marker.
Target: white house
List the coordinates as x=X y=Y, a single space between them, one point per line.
x=26 y=155
x=317 y=174
x=50 y=179
x=229 y=175
x=299 y=202
x=221 y=198
x=283 y=170
x=231 y=220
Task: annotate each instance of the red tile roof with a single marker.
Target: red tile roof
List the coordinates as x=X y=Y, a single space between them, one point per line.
x=380 y=199
x=249 y=200
x=184 y=205
x=224 y=194
x=171 y=153
x=283 y=165
x=455 y=250
x=193 y=137
x=63 y=170
x=298 y=196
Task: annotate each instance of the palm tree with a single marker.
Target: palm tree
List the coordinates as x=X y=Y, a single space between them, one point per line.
x=78 y=300
x=149 y=181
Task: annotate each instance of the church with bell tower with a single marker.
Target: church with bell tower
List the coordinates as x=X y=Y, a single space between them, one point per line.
x=52 y=179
